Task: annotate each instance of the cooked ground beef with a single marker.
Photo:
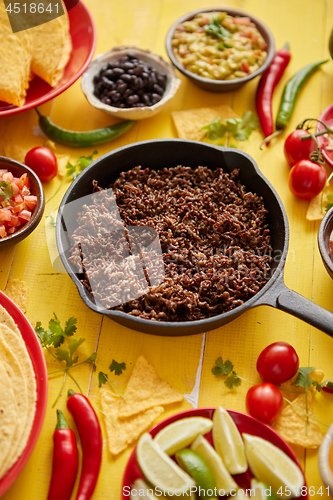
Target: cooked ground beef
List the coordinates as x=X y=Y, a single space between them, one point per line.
x=213 y=235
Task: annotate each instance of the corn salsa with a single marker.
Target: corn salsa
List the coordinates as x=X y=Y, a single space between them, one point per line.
x=219 y=46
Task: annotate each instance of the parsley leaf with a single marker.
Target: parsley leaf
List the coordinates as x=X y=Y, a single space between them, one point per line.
x=117 y=368
x=6 y=190
x=74 y=169
x=239 y=128
x=233 y=380
x=330 y=202
x=223 y=368
x=303 y=380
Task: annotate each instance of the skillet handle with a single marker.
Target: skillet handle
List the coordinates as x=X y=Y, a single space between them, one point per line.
x=301 y=307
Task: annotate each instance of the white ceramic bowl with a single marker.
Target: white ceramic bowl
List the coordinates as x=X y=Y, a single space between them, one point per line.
x=323 y=459
x=155 y=61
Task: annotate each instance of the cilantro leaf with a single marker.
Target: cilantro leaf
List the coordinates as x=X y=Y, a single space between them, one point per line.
x=6 y=190
x=52 y=220
x=102 y=379
x=215 y=29
x=222 y=368
x=233 y=380
x=303 y=379
x=74 y=169
x=117 y=368
x=239 y=128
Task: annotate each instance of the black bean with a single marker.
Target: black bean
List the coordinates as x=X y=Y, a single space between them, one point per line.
x=158 y=89
x=132 y=99
x=106 y=82
x=137 y=70
x=146 y=99
x=116 y=97
x=111 y=93
x=118 y=71
x=127 y=65
x=126 y=77
x=128 y=92
x=162 y=79
x=155 y=98
x=121 y=87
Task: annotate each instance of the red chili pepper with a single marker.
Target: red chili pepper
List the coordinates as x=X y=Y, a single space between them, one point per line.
x=65 y=461
x=266 y=87
x=90 y=433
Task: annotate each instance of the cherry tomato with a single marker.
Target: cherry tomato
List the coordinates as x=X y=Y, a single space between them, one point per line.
x=43 y=162
x=296 y=149
x=277 y=363
x=264 y=402
x=307 y=179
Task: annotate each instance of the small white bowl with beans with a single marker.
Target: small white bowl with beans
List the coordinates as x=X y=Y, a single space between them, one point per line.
x=220 y=49
x=129 y=83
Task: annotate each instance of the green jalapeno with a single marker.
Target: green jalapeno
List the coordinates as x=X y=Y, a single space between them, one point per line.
x=289 y=97
x=82 y=139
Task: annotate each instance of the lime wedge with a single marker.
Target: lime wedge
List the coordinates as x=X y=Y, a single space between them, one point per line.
x=224 y=482
x=159 y=469
x=272 y=466
x=181 y=433
x=197 y=468
x=228 y=442
x=262 y=491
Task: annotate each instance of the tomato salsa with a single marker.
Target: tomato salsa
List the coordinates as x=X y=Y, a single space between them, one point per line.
x=16 y=202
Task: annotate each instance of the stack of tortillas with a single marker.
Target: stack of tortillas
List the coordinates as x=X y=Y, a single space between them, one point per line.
x=42 y=50
x=18 y=394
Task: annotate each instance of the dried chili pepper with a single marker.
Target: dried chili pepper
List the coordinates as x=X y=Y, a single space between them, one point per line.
x=65 y=461
x=90 y=433
x=265 y=89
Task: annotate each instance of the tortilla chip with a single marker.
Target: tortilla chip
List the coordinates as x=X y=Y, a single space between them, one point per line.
x=17 y=290
x=123 y=432
x=15 y=151
x=15 y=57
x=145 y=390
x=189 y=122
x=294 y=427
x=62 y=161
x=51 y=49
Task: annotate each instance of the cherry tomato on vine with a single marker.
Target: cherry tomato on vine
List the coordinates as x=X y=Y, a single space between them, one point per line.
x=264 y=402
x=307 y=179
x=43 y=162
x=296 y=149
x=277 y=363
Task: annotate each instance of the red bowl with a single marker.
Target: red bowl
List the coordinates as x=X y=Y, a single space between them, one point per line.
x=38 y=362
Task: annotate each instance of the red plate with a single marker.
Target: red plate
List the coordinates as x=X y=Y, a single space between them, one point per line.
x=327 y=118
x=245 y=424
x=38 y=361
x=83 y=34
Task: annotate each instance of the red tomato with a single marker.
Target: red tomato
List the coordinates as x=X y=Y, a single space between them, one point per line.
x=264 y=402
x=43 y=162
x=278 y=363
x=296 y=149
x=307 y=179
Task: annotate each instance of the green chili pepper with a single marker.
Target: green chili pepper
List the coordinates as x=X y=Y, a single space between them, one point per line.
x=82 y=139
x=289 y=97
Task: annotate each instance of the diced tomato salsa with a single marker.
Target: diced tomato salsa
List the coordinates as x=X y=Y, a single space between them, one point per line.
x=16 y=202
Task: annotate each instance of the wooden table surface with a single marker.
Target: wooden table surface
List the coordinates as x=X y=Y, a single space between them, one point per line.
x=185 y=362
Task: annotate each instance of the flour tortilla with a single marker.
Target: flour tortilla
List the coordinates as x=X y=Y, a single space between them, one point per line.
x=22 y=381
x=7 y=413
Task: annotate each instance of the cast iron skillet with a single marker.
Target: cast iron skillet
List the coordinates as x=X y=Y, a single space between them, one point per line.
x=169 y=153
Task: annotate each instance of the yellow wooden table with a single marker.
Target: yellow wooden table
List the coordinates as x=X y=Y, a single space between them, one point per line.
x=185 y=362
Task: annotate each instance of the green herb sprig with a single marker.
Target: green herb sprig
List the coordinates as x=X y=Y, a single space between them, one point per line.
x=239 y=128
x=58 y=342
x=74 y=169
x=118 y=369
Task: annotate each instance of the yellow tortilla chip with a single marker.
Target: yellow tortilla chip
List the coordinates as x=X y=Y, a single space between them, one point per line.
x=51 y=49
x=17 y=290
x=189 y=122
x=123 y=432
x=294 y=427
x=145 y=389
x=15 y=57
x=8 y=407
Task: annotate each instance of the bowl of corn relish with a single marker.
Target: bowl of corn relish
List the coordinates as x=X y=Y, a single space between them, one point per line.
x=220 y=49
